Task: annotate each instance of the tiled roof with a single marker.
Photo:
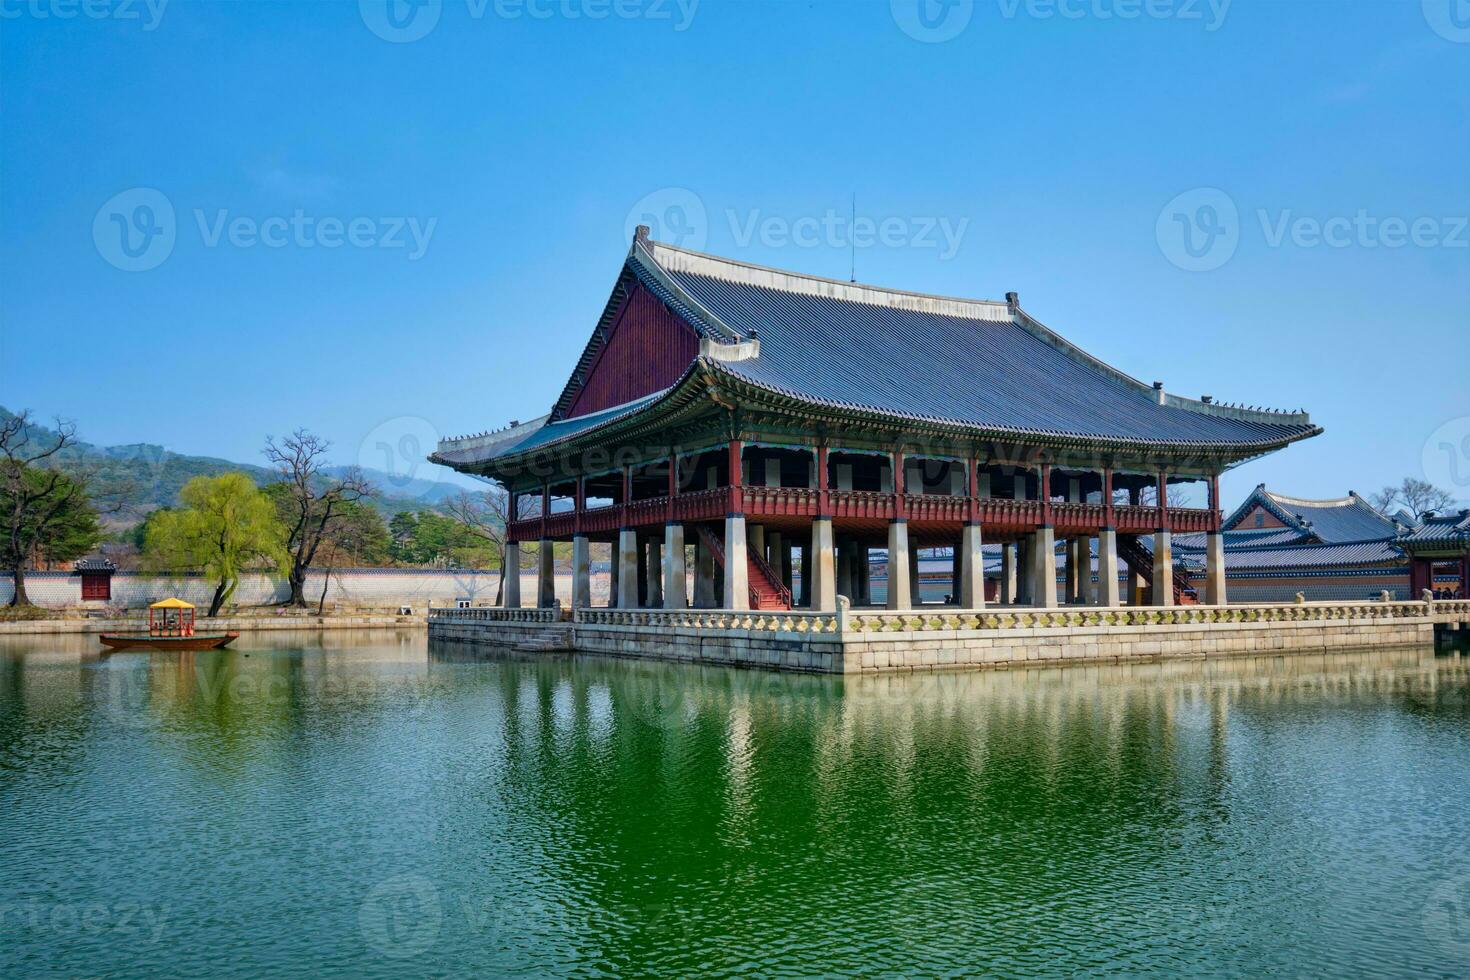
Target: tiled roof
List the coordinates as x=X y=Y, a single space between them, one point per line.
x=978 y=364
x=1338 y=520
x=964 y=362
x=94 y=564
x=1315 y=556
x=1447 y=529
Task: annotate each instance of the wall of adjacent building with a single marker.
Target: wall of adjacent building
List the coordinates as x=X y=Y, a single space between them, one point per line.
x=355 y=588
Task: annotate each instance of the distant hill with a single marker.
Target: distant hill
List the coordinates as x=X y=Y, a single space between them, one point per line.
x=156 y=475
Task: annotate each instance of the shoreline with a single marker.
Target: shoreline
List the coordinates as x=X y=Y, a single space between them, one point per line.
x=50 y=627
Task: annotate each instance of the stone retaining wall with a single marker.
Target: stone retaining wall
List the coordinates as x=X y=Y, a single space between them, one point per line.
x=869 y=642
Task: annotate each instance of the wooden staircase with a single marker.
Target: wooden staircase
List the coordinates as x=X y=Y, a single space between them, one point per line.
x=766 y=590
x=1140 y=561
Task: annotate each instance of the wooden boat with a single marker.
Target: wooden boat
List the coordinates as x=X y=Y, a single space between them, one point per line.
x=170 y=627
x=199 y=641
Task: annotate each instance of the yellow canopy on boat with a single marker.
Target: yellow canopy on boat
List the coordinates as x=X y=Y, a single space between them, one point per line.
x=172 y=604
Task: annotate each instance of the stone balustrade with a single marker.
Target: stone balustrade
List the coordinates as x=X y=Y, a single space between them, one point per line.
x=495 y=614
x=768 y=621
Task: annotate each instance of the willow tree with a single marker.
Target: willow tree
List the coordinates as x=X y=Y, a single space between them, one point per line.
x=223 y=527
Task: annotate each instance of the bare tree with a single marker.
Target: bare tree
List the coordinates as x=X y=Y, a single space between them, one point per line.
x=1419 y=497
x=486 y=515
x=32 y=500
x=310 y=500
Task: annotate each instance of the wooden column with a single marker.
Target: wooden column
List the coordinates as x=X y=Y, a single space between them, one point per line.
x=899 y=509
x=1045 y=494
x=545 y=507
x=1216 y=518
x=673 y=485
x=736 y=504
x=579 y=506
x=1109 y=514
x=824 y=494
x=1163 y=501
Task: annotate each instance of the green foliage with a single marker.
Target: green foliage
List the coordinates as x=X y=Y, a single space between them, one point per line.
x=58 y=525
x=428 y=538
x=224 y=527
x=357 y=536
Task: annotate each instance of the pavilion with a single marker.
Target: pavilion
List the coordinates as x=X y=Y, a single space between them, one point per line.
x=779 y=426
x=1440 y=549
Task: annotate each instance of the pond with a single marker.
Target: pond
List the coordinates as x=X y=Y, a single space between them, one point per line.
x=349 y=804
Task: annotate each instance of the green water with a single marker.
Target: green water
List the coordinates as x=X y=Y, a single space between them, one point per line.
x=359 y=804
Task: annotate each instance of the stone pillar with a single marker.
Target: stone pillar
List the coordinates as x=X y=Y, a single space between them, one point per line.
x=900 y=595
x=1025 y=573
x=756 y=534
x=675 y=583
x=1044 y=558
x=1008 y=573
x=843 y=562
x=972 y=569
x=655 y=566
x=511 y=572
x=581 y=572
x=1107 y=568
x=704 y=577
x=737 y=578
x=615 y=566
x=823 y=589
x=805 y=599
x=1215 y=569
x=1163 y=569
x=916 y=594
x=545 y=575
x=627 y=559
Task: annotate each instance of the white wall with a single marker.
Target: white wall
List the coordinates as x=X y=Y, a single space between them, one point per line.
x=349 y=587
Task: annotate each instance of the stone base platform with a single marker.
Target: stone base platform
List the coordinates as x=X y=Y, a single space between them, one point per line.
x=862 y=641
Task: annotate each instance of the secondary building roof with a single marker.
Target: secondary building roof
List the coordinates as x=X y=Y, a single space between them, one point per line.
x=1335 y=521
x=1449 y=533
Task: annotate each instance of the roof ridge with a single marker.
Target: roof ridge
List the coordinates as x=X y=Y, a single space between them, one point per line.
x=676 y=259
x=1283 y=499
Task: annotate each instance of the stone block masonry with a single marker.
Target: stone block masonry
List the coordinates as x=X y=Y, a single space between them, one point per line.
x=874 y=642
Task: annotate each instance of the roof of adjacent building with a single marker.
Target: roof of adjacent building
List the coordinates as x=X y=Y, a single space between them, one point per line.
x=94 y=563
x=1335 y=521
x=1447 y=529
x=982 y=365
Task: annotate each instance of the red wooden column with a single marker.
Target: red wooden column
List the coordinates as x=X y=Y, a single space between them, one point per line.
x=623 y=517
x=1216 y=518
x=579 y=507
x=737 y=478
x=972 y=476
x=1109 y=517
x=545 y=507
x=899 y=509
x=824 y=494
x=1045 y=495
x=1163 y=501
x=673 y=484
x=1465 y=576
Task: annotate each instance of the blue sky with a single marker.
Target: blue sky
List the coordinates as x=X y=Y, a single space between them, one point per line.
x=461 y=201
